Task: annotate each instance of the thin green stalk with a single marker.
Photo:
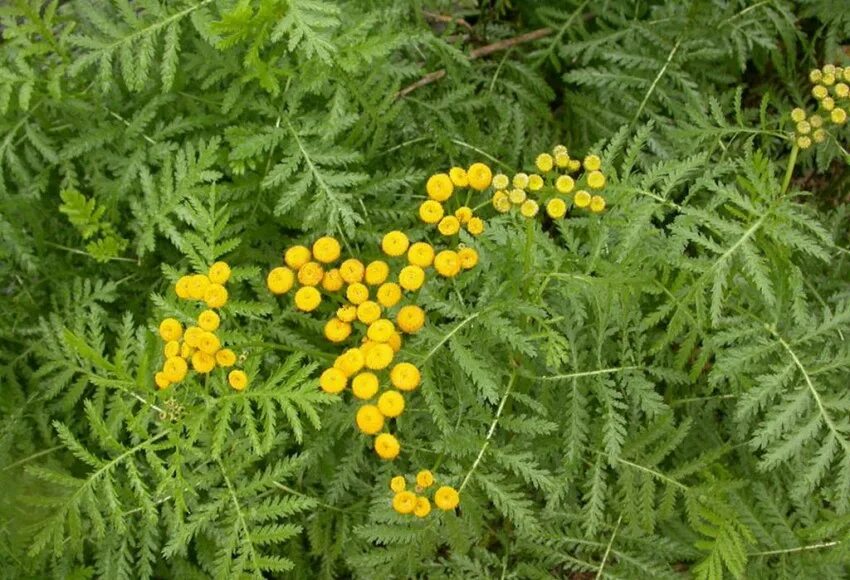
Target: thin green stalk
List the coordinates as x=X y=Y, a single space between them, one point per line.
x=792 y=161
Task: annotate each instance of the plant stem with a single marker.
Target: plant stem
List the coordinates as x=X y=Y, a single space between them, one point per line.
x=529 y=244
x=792 y=161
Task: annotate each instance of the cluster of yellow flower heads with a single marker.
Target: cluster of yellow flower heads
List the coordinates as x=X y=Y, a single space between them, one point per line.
x=831 y=89
x=440 y=188
x=199 y=344
x=407 y=502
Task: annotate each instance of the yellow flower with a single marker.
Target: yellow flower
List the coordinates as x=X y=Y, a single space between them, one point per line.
x=556 y=208
x=596 y=180
x=357 y=293
x=365 y=385
x=172 y=348
x=397 y=484
x=423 y=507
x=310 y=274
x=819 y=136
x=377 y=272
x=815 y=75
x=520 y=180
x=386 y=446
x=219 y=273
x=209 y=320
x=574 y=165
x=804 y=128
x=449 y=225
x=819 y=92
x=559 y=150
x=391 y=404
x=369 y=419
x=389 y=293
x=838 y=116
x=238 y=380
x=192 y=336
x=379 y=356
x=225 y=358
x=404 y=502
x=841 y=90
x=175 y=369
x=804 y=142
x=332 y=281
x=352 y=270
x=828 y=104
x=186 y=350
x=405 y=376
x=431 y=211
x=565 y=184
x=395 y=341
x=368 y=312
x=475 y=226
x=816 y=121
x=350 y=362
x=326 y=250
x=501 y=202
x=215 y=296
x=535 y=182
x=161 y=380
x=447 y=263
x=347 y=313
x=381 y=330
x=458 y=176
x=307 y=299
x=828 y=79
x=280 y=280
x=198 y=285
x=529 y=208
x=544 y=162
x=592 y=163
x=798 y=115
x=395 y=243
x=439 y=187
x=182 y=287
x=411 y=278
x=421 y=254
x=597 y=204
x=203 y=362
x=501 y=181
x=446 y=498
x=480 y=176
x=333 y=381
x=297 y=256
x=410 y=318
x=425 y=479
x=468 y=258
x=209 y=343
x=828 y=69
x=562 y=160
x=582 y=198
x=517 y=196
x=463 y=214
x=336 y=330
x=170 y=329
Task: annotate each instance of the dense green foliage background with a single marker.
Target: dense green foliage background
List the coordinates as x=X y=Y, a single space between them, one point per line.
x=672 y=376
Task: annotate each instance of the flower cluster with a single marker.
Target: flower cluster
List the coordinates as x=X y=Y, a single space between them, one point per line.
x=831 y=90
x=199 y=344
x=407 y=502
x=440 y=188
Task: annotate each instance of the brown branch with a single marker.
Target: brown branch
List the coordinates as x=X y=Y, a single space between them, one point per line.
x=426 y=80
x=434 y=17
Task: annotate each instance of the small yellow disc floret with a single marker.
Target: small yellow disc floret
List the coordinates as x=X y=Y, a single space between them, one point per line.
x=297 y=256
x=480 y=176
x=425 y=479
x=411 y=278
x=369 y=419
x=219 y=273
x=592 y=163
x=352 y=270
x=597 y=204
x=280 y=280
x=337 y=330
x=391 y=404
x=170 y=329
x=365 y=385
x=446 y=498
x=447 y=263
x=421 y=254
x=431 y=211
x=333 y=381
x=397 y=484
x=404 y=502
x=405 y=376
x=544 y=162
x=449 y=225
x=389 y=294
x=225 y=358
x=423 y=507
x=386 y=446
x=307 y=299
x=238 y=380
x=410 y=318
x=556 y=208
x=377 y=272
x=209 y=320
x=458 y=176
x=326 y=250
x=582 y=198
x=357 y=293
x=439 y=187
x=395 y=243
x=215 y=296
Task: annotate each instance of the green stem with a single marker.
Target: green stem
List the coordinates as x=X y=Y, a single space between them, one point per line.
x=792 y=161
x=529 y=244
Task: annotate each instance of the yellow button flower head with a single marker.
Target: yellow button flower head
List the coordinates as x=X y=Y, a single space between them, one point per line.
x=332 y=281
x=804 y=127
x=819 y=136
x=458 y=176
x=544 y=162
x=186 y=351
x=556 y=208
x=215 y=296
x=501 y=181
x=379 y=356
x=582 y=198
x=352 y=270
x=439 y=187
x=431 y=211
x=326 y=250
x=182 y=287
x=565 y=184
x=377 y=272
x=198 y=285
x=357 y=293
x=389 y=294
x=574 y=165
x=562 y=160
x=596 y=180
x=161 y=380
x=333 y=381
x=535 y=182
x=365 y=385
x=307 y=299
x=395 y=243
x=480 y=176
x=463 y=214
x=350 y=362
x=310 y=274
x=238 y=380
x=404 y=502
x=172 y=348
x=423 y=507
x=395 y=341
x=838 y=116
x=381 y=330
x=816 y=121
x=297 y=256
x=827 y=104
x=475 y=226
x=391 y=404
x=193 y=336
x=468 y=258
x=425 y=479
x=209 y=343
x=411 y=278
x=517 y=196
x=405 y=376
x=841 y=90
x=798 y=115
x=501 y=202
x=804 y=142
x=410 y=318
x=520 y=180
x=170 y=329
x=398 y=484
x=175 y=369
x=529 y=208
x=815 y=75
x=820 y=92
x=336 y=330
x=219 y=273
x=369 y=419
x=449 y=225
x=209 y=320
x=203 y=362
x=559 y=150
x=447 y=263
x=386 y=446
x=368 y=312
x=347 y=313
x=592 y=163
x=828 y=79
x=421 y=254
x=828 y=69
x=280 y=280
x=446 y=498
x=225 y=358
x=597 y=204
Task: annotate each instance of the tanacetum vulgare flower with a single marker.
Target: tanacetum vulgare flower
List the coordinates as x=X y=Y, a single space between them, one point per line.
x=501 y=181
x=219 y=273
x=410 y=318
x=449 y=225
x=544 y=162
x=535 y=182
x=597 y=204
x=404 y=502
x=365 y=385
x=333 y=381
x=336 y=330
x=423 y=507
x=395 y=243
x=421 y=254
x=582 y=198
x=386 y=446
x=529 y=208
x=468 y=258
x=208 y=342
x=161 y=380
x=192 y=336
x=307 y=299
x=175 y=369
x=380 y=330
x=565 y=184
x=377 y=272
x=352 y=270
x=501 y=202
x=332 y=280
x=172 y=348
x=520 y=180
x=238 y=380
x=357 y=293
x=326 y=250
x=391 y=404
x=209 y=320
x=310 y=274
x=215 y=296
x=425 y=479
x=389 y=294
x=280 y=280
x=405 y=376
x=347 y=313
x=398 y=484
x=350 y=362
x=170 y=329
x=431 y=211
x=297 y=256
x=556 y=208
x=369 y=419
x=592 y=163
x=181 y=288
x=203 y=362
x=517 y=196
x=463 y=214
x=225 y=357
x=395 y=341
x=368 y=312
x=198 y=286
x=479 y=176
x=379 y=356
x=439 y=187
x=596 y=180
x=446 y=498
x=458 y=176
x=411 y=278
